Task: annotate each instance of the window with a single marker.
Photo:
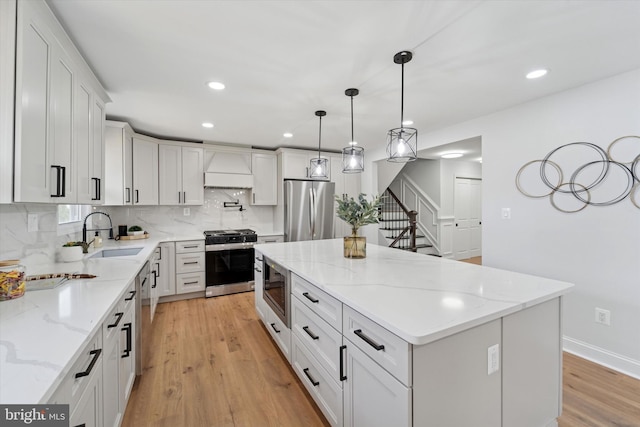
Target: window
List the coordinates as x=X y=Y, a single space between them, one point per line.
x=70 y=218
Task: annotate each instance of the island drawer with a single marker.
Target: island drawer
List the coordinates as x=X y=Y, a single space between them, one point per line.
x=321 y=339
x=387 y=349
x=190 y=246
x=325 y=391
x=190 y=262
x=321 y=303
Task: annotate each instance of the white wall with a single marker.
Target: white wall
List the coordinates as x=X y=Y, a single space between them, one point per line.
x=597 y=249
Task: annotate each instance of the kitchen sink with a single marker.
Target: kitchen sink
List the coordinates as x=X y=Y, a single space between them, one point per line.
x=109 y=253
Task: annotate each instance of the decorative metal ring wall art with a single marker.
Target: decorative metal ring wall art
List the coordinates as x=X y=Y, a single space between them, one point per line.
x=603 y=173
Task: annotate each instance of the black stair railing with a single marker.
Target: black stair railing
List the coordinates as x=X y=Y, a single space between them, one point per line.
x=401 y=221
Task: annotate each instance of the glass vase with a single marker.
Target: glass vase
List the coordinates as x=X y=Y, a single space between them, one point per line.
x=355 y=246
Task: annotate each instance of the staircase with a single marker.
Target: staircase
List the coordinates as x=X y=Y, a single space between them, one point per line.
x=398 y=225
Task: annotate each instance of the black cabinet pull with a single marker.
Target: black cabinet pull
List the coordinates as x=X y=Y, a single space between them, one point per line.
x=133 y=295
x=257 y=269
x=273 y=325
x=368 y=340
x=96 y=355
x=184 y=197
x=342 y=375
x=311 y=334
x=64 y=179
x=178 y=197
x=190 y=283
x=95 y=187
x=127 y=329
x=259 y=259
x=190 y=247
x=314 y=382
x=190 y=262
x=310 y=298
x=143 y=281
x=128 y=190
x=159 y=253
x=60 y=180
x=119 y=317
x=137 y=198
x=81 y=425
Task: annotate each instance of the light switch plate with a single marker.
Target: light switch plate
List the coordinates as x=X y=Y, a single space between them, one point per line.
x=506 y=213
x=493 y=359
x=32 y=222
x=186 y=211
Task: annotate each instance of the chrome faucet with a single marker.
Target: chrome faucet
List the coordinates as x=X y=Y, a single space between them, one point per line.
x=84 y=226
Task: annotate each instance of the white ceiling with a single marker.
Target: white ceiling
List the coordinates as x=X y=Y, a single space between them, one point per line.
x=282 y=60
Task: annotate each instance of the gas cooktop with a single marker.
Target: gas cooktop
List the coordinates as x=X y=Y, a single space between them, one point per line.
x=218 y=237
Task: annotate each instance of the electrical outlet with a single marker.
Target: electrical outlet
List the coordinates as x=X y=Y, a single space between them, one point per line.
x=506 y=213
x=186 y=212
x=493 y=359
x=603 y=316
x=32 y=222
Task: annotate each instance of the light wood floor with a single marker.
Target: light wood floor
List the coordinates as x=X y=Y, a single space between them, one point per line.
x=475 y=260
x=213 y=364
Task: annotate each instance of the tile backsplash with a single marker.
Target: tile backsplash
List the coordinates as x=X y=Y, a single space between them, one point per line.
x=40 y=246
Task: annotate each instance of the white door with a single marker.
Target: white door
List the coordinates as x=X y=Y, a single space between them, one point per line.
x=467 y=238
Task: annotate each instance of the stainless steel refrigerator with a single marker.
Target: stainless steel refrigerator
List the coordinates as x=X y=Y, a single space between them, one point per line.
x=308 y=210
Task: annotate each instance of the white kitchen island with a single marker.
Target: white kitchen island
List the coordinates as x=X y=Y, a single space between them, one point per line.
x=406 y=339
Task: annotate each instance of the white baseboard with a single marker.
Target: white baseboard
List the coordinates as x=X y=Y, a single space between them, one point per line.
x=602 y=357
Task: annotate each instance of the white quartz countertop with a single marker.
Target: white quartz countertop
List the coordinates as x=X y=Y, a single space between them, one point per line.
x=43 y=332
x=420 y=298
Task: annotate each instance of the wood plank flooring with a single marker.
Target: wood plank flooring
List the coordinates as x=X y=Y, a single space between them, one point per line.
x=214 y=364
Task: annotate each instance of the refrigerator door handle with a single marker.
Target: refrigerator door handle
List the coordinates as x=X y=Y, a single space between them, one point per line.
x=312 y=210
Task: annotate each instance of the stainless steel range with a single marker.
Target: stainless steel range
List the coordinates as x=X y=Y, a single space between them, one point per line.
x=229 y=261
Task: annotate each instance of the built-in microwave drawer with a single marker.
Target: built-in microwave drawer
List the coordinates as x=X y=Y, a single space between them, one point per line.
x=385 y=348
x=321 y=303
x=190 y=262
x=190 y=246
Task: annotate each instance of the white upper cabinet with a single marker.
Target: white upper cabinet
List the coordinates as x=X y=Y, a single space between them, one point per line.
x=118 y=169
x=181 y=175
x=7 y=87
x=55 y=133
x=145 y=172
x=264 y=167
x=295 y=163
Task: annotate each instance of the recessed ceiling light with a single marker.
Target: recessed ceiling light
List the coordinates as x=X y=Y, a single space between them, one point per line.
x=536 y=74
x=207 y=125
x=287 y=135
x=216 y=85
x=407 y=123
x=452 y=155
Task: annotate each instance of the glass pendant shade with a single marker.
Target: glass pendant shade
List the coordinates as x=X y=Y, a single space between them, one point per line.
x=319 y=167
x=402 y=145
x=352 y=159
x=352 y=156
x=402 y=142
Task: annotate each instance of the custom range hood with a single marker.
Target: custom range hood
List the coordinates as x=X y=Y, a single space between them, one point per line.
x=226 y=168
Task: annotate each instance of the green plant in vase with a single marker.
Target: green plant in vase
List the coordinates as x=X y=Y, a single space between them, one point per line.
x=357 y=213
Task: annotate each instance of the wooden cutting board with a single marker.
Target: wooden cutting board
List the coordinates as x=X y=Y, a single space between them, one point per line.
x=140 y=236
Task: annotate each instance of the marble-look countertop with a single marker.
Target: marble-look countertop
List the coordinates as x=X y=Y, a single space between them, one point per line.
x=43 y=332
x=417 y=297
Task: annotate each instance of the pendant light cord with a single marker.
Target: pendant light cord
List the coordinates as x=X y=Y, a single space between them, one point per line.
x=319 y=136
x=402 y=98
x=351 y=119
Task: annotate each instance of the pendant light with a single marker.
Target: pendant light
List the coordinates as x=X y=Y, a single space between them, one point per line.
x=352 y=156
x=319 y=167
x=402 y=142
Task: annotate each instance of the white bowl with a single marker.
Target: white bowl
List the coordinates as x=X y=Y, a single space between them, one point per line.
x=70 y=253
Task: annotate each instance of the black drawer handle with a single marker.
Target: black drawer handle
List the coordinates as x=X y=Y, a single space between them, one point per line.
x=190 y=283
x=310 y=298
x=133 y=295
x=127 y=329
x=190 y=262
x=273 y=325
x=119 y=317
x=143 y=281
x=81 y=425
x=257 y=269
x=190 y=247
x=259 y=259
x=314 y=382
x=342 y=375
x=368 y=340
x=137 y=197
x=96 y=355
x=311 y=334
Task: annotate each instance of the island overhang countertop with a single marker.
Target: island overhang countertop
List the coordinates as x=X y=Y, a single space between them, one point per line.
x=419 y=298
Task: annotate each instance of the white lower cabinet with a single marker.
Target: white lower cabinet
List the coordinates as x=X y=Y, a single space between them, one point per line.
x=372 y=396
x=258 y=277
x=321 y=385
x=85 y=381
x=111 y=366
x=190 y=266
x=167 y=269
x=280 y=333
x=88 y=412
